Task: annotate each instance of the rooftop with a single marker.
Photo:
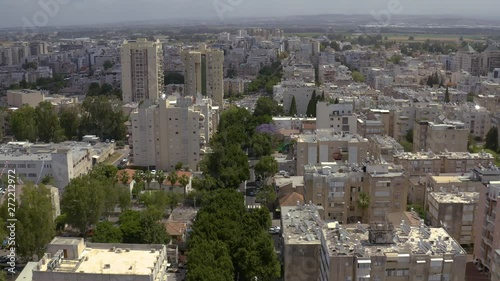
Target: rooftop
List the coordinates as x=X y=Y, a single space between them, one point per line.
x=358 y=240
x=455 y=197
x=301 y=224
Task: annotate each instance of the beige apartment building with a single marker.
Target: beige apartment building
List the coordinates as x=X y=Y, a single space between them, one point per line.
x=384 y=147
x=337 y=189
x=204 y=73
x=328 y=146
x=74 y=259
x=430 y=136
x=487 y=223
x=142 y=70
x=166 y=132
x=454 y=211
x=18 y=98
x=315 y=250
x=421 y=163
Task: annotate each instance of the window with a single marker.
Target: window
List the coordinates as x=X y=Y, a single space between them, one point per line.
x=31 y=175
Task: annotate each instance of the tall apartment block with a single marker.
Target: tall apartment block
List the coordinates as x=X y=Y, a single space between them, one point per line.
x=204 y=73
x=142 y=70
x=487 y=226
x=380 y=251
x=166 y=132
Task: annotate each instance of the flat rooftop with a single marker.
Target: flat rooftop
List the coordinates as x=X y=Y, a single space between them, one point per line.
x=446 y=179
x=455 y=197
x=301 y=224
x=104 y=261
x=353 y=240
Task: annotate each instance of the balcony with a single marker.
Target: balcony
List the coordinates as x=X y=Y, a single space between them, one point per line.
x=490 y=219
x=488 y=241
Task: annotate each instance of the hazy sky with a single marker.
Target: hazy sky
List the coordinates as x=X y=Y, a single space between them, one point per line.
x=75 y=12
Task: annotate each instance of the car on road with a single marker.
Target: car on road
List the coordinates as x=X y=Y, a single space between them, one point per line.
x=274 y=230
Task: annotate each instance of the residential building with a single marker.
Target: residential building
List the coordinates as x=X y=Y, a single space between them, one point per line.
x=166 y=132
x=339 y=117
x=487 y=224
x=75 y=259
x=63 y=161
x=302 y=92
x=467 y=59
x=384 y=148
x=455 y=212
x=315 y=250
x=383 y=251
x=204 y=73
x=328 y=146
x=142 y=70
x=435 y=137
x=490 y=59
x=18 y=98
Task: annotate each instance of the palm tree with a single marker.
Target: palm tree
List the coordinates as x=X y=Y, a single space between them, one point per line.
x=124 y=178
x=160 y=177
x=364 y=202
x=148 y=177
x=172 y=178
x=138 y=177
x=184 y=181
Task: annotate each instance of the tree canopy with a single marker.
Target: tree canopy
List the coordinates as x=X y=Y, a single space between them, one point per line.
x=492 y=139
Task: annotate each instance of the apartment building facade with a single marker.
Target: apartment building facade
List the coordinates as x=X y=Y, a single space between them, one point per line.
x=142 y=70
x=204 y=73
x=339 y=117
x=435 y=137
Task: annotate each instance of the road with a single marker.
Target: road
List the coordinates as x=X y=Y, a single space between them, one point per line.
x=125 y=151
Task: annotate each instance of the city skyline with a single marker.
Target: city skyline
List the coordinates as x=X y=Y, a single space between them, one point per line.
x=16 y=13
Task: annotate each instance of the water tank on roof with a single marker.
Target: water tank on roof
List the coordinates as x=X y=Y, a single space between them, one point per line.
x=326 y=170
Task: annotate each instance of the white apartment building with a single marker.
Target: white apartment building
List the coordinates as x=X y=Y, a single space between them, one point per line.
x=465 y=81
x=74 y=259
x=467 y=59
x=204 y=73
x=166 y=132
x=339 y=117
x=63 y=161
x=476 y=119
x=142 y=70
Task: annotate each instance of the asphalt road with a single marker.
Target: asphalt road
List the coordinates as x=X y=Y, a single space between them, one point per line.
x=125 y=151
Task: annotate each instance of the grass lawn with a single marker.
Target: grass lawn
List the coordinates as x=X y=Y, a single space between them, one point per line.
x=111 y=159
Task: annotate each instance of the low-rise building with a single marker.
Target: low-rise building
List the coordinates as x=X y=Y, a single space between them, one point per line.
x=18 y=98
x=435 y=137
x=384 y=147
x=454 y=211
x=74 y=259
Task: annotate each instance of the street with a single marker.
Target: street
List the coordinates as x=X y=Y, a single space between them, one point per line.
x=125 y=151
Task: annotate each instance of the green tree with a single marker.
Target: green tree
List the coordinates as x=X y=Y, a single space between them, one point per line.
x=262 y=144
x=123 y=177
x=266 y=167
x=358 y=77
x=106 y=232
x=184 y=181
x=108 y=65
x=267 y=107
x=103 y=116
x=47 y=123
x=172 y=178
x=60 y=223
x=336 y=101
x=311 y=106
x=492 y=139
x=293 y=107
x=364 y=203
x=124 y=200
x=35 y=225
x=160 y=177
x=48 y=180
x=148 y=177
x=130 y=226
x=23 y=124
x=210 y=261
x=83 y=202
x=178 y=166
x=173 y=78
x=446 y=95
x=322 y=96
x=153 y=231
x=69 y=121
x=266 y=195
